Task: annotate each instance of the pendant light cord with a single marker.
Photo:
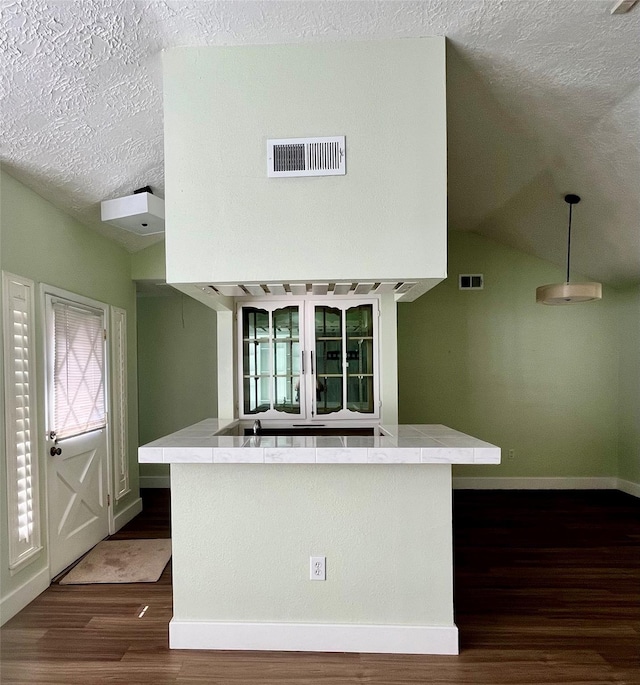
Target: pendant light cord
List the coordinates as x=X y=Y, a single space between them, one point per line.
x=569 y=241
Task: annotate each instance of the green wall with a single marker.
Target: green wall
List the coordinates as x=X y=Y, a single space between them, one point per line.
x=176 y=369
x=149 y=264
x=284 y=515
x=543 y=381
x=227 y=221
x=629 y=332
x=41 y=242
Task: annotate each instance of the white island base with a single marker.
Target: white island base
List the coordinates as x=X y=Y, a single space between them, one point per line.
x=243 y=535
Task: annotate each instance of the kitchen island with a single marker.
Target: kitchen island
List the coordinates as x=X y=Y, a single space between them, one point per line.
x=376 y=508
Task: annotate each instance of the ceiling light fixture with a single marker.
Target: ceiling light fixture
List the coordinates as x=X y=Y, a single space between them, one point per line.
x=569 y=293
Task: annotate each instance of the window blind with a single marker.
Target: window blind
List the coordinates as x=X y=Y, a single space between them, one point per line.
x=79 y=401
x=20 y=421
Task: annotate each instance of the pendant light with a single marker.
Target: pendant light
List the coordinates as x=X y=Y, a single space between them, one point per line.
x=569 y=293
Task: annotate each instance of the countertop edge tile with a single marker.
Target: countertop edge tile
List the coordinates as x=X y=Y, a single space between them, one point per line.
x=398 y=444
x=238 y=455
x=187 y=455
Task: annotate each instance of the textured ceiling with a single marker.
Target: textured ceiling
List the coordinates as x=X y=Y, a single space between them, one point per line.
x=544 y=99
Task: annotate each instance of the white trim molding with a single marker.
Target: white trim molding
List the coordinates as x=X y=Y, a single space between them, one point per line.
x=568 y=483
x=314 y=637
x=123 y=517
x=18 y=599
x=119 y=402
x=629 y=487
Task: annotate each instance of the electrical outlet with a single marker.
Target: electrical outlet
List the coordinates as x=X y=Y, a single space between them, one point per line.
x=317 y=568
x=511 y=454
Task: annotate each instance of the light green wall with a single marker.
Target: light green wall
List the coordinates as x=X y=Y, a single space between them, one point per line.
x=384 y=529
x=226 y=221
x=629 y=332
x=176 y=368
x=149 y=264
x=43 y=243
x=540 y=380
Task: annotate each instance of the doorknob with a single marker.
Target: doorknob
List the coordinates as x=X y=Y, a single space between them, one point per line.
x=55 y=451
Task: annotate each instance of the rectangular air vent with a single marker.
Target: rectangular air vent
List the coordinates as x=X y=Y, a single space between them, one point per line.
x=470 y=282
x=306 y=157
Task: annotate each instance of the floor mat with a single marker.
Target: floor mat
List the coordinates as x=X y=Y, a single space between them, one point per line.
x=122 y=561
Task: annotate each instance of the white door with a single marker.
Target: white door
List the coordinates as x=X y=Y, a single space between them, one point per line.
x=77 y=458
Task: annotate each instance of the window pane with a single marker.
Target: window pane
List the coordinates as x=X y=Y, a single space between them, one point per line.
x=256 y=394
x=271 y=360
x=359 y=356
x=328 y=322
x=359 y=324
x=329 y=359
x=255 y=323
x=360 y=320
x=287 y=394
x=255 y=358
x=360 y=394
x=78 y=369
x=328 y=394
x=286 y=323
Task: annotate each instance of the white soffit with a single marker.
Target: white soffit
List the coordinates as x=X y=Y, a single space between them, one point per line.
x=543 y=99
x=403 y=290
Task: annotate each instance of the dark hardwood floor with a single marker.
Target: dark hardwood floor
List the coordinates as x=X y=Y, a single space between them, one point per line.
x=547 y=591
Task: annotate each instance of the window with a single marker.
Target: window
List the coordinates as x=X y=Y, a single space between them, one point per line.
x=271 y=359
x=20 y=419
x=308 y=359
x=78 y=373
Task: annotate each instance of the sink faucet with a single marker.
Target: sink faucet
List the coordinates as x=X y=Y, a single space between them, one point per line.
x=257 y=427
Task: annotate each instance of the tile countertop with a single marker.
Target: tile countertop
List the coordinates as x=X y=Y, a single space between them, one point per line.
x=203 y=443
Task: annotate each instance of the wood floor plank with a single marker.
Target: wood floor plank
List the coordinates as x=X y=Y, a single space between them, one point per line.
x=547 y=588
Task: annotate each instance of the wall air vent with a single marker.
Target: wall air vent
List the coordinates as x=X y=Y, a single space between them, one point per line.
x=306 y=157
x=470 y=282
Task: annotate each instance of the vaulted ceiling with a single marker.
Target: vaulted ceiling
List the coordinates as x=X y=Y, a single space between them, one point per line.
x=543 y=100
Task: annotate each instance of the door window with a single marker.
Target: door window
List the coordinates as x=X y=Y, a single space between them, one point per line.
x=78 y=369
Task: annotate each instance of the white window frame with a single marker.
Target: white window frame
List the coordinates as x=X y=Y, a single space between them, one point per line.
x=308 y=413
x=23 y=549
x=270 y=305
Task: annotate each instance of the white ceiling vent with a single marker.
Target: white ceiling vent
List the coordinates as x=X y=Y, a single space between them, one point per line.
x=306 y=157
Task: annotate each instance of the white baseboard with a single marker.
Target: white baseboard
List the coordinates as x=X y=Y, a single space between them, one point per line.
x=155 y=481
x=629 y=487
x=595 y=483
x=314 y=637
x=18 y=599
x=123 y=517
x=480 y=483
